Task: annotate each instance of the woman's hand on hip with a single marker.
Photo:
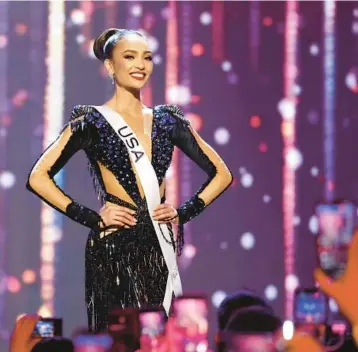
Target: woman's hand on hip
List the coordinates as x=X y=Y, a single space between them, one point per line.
x=165 y=213
x=116 y=216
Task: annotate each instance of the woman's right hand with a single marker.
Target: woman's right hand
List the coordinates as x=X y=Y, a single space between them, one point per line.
x=116 y=216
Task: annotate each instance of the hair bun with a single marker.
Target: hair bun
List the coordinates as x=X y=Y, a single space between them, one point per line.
x=101 y=40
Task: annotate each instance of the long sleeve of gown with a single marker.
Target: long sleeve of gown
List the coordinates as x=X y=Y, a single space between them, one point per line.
x=219 y=176
x=74 y=136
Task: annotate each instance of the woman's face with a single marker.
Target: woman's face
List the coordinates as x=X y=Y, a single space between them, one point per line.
x=131 y=62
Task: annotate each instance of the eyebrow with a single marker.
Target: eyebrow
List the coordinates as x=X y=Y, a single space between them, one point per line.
x=135 y=51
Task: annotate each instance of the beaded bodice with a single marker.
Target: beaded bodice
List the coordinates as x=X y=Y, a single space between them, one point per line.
x=111 y=167
x=102 y=144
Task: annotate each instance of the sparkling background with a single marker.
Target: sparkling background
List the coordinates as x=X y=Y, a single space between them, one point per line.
x=230 y=80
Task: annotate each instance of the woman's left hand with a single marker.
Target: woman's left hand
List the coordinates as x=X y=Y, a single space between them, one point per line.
x=165 y=213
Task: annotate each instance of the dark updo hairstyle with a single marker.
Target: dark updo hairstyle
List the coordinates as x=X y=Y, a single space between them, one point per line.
x=104 y=44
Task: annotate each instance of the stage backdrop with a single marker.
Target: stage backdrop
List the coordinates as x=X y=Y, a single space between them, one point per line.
x=271 y=86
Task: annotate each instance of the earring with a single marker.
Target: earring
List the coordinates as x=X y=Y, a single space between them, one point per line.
x=111 y=76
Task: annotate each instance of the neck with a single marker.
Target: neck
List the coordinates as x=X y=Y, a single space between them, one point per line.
x=126 y=100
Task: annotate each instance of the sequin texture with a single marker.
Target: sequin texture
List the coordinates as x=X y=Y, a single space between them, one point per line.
x=125 y=268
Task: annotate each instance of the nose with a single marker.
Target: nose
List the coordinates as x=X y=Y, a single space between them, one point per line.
x=140 y=64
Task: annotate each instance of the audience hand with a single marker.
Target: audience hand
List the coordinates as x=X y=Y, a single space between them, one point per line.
x=21 y=337
x=300 y=342
x=345 y=289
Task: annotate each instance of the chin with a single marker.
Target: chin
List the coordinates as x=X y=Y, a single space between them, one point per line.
x=136 y=85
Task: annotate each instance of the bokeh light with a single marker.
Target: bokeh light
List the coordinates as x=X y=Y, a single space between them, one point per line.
x=29 y=276
x=314 y=171
x=267 y=21
x=333 y=305
x=47 y=252
x=47 y=272
x=247 y=180
x=47 y=291
x=53 y=233
x=189 y=251
x=21 y=29
x=179 y=95
x=218 y=297
x=205 y=18
x=296 y=220
x=3 y=41
x=352 y=79
x=44 y=312
x=288 y=329
x=263 y=147
x=287 y=109
x=314 y=49
x=222 y=136
x=291 y=282
x=287 y=129
x=80 y=39
x=294 y=158
x=78 y=17
x=136 y=10
x=7 y=179
x=255 y=121
x=226 y=66
x=313 y=224
x=157 y=59
x=297 y=90
x=247 y=240
x=197 y=49
x=20 y=97
x=271 y=292
x=13 y=284
x=266 y=198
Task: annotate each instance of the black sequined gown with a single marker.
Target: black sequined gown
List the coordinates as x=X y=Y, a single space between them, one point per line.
x=125 y=268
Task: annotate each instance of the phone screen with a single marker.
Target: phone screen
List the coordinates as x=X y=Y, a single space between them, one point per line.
x=48 y=327
x=310 y=307
x=191 y=316
x=152 y=323
x=336 y=227
x=92 y=343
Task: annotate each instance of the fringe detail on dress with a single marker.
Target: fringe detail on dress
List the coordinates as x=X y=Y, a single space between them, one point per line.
x=97 y=183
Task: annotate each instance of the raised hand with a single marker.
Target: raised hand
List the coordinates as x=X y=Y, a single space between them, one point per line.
x=345 y=289
x=21 y=337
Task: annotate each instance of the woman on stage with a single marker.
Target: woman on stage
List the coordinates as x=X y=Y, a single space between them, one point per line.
x=130 y=251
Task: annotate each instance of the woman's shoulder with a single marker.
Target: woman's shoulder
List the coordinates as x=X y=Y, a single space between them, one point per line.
x=80 y=111
x=83 y=116
x=170 y=114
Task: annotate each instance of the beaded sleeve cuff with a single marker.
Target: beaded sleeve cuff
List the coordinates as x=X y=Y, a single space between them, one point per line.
x=84 y=216
x=190 y=209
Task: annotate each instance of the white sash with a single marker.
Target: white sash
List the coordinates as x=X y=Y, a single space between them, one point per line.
x=149 y=181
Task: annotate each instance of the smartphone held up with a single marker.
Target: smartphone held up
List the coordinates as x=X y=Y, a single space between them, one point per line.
x=48 y=327
x=336 y=222
x=191 y=318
